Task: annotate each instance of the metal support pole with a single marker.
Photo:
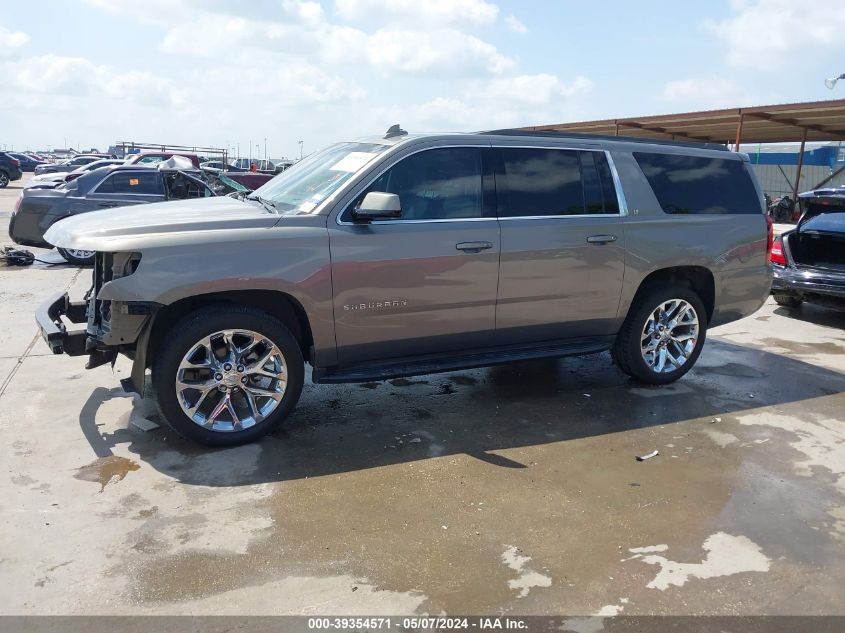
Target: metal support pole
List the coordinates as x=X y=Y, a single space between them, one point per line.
x=800 y=165
x=617 y=128
x=739 y=131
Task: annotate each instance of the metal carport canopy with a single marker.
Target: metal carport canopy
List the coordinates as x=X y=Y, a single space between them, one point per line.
x=791 y=122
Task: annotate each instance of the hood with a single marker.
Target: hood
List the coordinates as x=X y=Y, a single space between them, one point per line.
x=163 y=223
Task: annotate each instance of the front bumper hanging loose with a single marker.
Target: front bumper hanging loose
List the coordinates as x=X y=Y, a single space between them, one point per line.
x=53 y=329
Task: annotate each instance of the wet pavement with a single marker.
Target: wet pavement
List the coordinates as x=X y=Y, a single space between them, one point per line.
x=509 y=490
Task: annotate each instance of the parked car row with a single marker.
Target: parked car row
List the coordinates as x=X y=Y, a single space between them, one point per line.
x=104 y=187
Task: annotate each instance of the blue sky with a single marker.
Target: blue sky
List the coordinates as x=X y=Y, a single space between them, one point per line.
x=215 y=72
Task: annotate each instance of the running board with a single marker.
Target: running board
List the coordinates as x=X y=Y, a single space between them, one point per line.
x=429 y=365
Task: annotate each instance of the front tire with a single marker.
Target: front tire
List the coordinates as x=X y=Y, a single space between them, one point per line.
x=225 y=376
x=787 y=301
x=4 y=179
x=662 y=335
x=77 y=257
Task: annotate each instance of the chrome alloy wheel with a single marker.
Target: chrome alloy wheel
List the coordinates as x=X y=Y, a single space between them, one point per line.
x=80 y=254
x=231 y=380
x=669 y=336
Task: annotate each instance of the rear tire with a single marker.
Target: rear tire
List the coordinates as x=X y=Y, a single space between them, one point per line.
x=78 y=257
x=237 y=399
x=4 y=179
x=787 y=301
x=647 y=337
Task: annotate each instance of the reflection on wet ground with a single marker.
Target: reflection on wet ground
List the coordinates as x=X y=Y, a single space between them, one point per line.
x=511 y=489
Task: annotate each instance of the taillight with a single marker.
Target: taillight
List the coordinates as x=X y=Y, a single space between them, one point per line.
x=18 y=204
x=776 y=254
x=770 y=234
x=16 y=162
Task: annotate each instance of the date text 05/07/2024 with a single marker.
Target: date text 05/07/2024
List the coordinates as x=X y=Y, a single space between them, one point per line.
x=416 y=623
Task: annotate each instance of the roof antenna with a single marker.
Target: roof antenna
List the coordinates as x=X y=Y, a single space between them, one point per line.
x=395 y=130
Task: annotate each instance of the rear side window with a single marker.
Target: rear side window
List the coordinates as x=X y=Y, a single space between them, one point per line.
x=147 y=183
x=693 y=184
x=551 y=182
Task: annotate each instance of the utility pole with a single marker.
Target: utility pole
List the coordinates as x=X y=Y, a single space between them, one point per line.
x=300 y=149
x=265 y=148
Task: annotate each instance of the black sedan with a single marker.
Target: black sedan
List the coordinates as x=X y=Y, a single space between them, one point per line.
x=27 y=163
x=66 y=165
x=36 y=210
x=809 y=261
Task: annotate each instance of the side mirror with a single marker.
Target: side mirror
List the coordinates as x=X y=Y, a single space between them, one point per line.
x=378 y=205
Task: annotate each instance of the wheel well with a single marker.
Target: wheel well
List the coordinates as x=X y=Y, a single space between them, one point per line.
x=698 y=278
x=277 y=304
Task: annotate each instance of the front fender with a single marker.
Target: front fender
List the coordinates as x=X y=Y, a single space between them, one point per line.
x=290 y=260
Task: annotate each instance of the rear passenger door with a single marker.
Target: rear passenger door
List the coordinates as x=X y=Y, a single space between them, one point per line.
x=563 y=251
x=123 y=188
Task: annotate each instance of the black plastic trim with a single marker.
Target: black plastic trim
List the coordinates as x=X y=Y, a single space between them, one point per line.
x=470 y=359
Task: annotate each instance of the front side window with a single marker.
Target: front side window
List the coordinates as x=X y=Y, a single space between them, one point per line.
x=553 y=182
x=147 y=183
x=436 y=184
x=694 y=184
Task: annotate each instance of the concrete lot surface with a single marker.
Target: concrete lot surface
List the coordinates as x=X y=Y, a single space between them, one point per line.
x=511 y=490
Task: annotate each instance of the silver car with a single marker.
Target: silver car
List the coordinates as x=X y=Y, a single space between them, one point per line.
x=408 y=255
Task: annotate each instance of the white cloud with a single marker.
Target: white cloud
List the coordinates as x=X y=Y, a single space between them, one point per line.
x=413 y=12
x=388 y=50
x=53 y=75
x=534 y=89
x=515 y=25
x=702 y=93
x=443 y=52
x=499 y=103
x=11 y=41
x=768 y=34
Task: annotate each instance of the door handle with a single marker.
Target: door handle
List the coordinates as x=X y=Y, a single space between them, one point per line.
x=601 y=239
x=473 y=247
x=107 y=205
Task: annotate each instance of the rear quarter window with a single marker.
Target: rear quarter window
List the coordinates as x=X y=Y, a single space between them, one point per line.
x=687 y=185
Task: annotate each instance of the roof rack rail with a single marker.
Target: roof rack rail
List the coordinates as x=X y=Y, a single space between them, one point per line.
x=603 y=137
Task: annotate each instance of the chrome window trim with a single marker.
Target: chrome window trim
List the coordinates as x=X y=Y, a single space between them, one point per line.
x=132 y=194
x=617 y=185
x=553 y=217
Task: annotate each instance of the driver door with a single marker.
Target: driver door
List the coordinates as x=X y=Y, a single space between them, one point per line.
x=424 y=283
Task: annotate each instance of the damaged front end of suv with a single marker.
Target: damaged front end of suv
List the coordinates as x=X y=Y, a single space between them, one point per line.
x=103 y=337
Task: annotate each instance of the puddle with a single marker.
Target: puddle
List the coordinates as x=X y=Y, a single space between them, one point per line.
x=404 y=382
x=727 y=555
x=800 y=347
x=105 y=469
x=733 y=369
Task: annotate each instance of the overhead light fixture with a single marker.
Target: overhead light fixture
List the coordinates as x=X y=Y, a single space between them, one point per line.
x=831 y=82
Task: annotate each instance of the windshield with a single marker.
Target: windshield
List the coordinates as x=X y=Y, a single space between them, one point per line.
x=306 y=184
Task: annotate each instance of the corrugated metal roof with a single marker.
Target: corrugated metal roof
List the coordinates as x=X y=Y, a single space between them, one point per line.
x=819 y=120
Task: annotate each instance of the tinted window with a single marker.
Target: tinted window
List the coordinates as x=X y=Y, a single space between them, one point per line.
x=547 y=182
x=132 y=182
x=692 y=184
x=436 y=184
